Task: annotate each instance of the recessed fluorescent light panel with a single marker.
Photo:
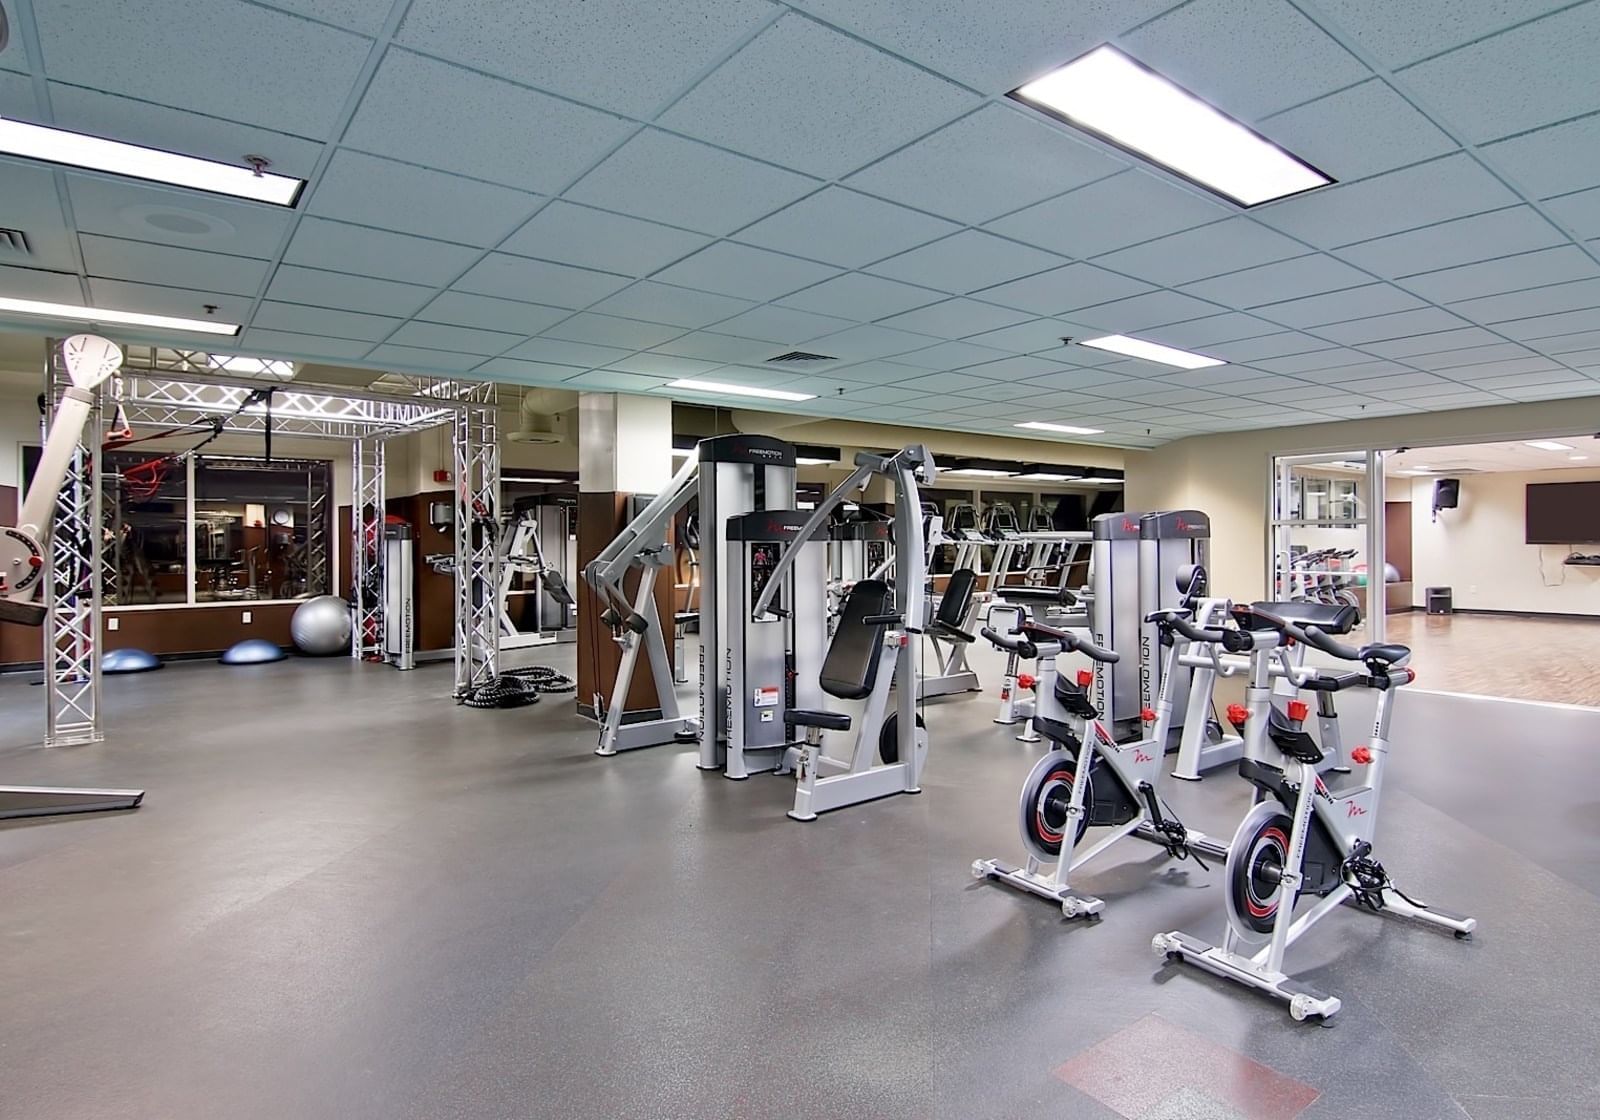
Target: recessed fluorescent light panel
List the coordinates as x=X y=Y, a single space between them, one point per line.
x=739 y=390
x=806 y=461
x=73 y=149
x=121 y=318
x=1067 y=429
x=1047 y=476
x=1131 y=106
x=1151 y=351
x=982 y=472
x=1549 y=445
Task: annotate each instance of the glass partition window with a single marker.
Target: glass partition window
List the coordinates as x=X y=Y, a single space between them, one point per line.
x=146 y=508
x=1323 y=535
x=260 y=529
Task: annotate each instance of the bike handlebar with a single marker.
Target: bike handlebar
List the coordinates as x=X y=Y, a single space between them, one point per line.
x=1069 y=641
x=1020 y=646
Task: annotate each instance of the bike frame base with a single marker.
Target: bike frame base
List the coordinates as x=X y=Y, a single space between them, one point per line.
x=1044 y=886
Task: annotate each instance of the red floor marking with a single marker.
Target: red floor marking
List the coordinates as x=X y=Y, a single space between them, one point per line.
x=1143 y=1064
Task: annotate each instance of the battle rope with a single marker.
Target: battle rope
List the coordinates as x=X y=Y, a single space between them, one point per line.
x=518 y=688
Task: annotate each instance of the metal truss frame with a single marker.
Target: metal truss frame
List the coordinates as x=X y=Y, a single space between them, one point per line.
x=478 y=555
x=367 y=583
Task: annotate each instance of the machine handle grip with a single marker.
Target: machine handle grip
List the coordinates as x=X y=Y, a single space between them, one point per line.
x=1022 y=647
x=1070 y=641
x=1194 y=633
x=1315 y=637
x=881 y=620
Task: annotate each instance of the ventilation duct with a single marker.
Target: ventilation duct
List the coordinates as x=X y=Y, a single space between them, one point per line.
x=539 y=417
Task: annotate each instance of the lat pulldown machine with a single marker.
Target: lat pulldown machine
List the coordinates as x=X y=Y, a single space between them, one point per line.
x=90 y=360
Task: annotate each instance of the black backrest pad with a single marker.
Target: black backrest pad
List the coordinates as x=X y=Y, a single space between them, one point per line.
x=957 y=597
x=851 y=667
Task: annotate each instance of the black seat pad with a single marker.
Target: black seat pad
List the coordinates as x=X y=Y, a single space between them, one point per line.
x=1386 y=652
x=851 y=667
x=956 y=599
x=1330 y=618
x=1037 y=595
x=811 y=717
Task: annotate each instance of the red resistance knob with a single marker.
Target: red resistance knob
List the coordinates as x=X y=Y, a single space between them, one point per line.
x=1361 y=756
x=35 y=561
x=1027 y=681
x=1085 y=678
x=1237 y=714
x=1148 y=715
x=1299 y=710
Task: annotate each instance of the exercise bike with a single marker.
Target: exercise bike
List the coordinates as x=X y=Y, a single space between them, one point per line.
x=1064 y=794
x=1301 y=837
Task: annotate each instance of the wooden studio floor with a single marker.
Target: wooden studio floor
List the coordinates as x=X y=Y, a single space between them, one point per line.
x=1518 y=656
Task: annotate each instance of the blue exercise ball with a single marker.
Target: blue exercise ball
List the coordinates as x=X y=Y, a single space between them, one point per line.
x=321 y=626
x=252 y=651
x=129 y=661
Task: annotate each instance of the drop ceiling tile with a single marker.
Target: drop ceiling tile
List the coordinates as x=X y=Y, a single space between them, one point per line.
x=555 y=285
x=440 y=336
x=929 y=383
x=287 y=344
x=650 y=52
x=1401 y=324
x=1061 y=289
x=1579 y=212
x=1271 y=283
x=117 y=259
x=966 y=262
x=468 y=310
x=1033 y=337
x=664 y=366
x=1508 y=274
x=171 y=130
x=1221 y=247
x=438 y=115
x=1551 y=392
x=610 y=331
x=1275 y=57
x=31 y=206
x=1311 y=360
x=1566 y=343
x=685 y=183
x=1337 y=307
x=956 y=318
x=1575 y=295
x=1213 y=329
x=420 y=358
x=338 y=247
x=866 y=342
x=1390 y=384
x=885 y=394
x=1516 y=80
x=1548 y=326
x=598 y=239
x=319 y=320
x=1112 y=213
x=1551 y=161
x=1139 y=313
x=16 y=92
x=857 y=296
x=1467 y=339
x=1359 y=131
x=721 y=348
x=1311 y=395
x=804 y=96
x=845 y=228
x=876 y=372
x=1396 y=34
x=175 y=217
x=738 y=270
x=1427 y=194
x=559 y=352
x=1482 y=237
x=1018 y=367
x=1449 y=361
x=158 y=299
x=529 y=373
x=663 y=303
x=1479 y=373
x=1280 y=345
x=50 y=287
x=312 y=286
x=240 y=62
x=949 y=355
x=996 y=160
x=609 y=379
x=370 y=191
x=1071 y=380
x=782 y=325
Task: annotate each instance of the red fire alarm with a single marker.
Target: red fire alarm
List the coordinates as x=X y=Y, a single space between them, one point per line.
x=441 y=476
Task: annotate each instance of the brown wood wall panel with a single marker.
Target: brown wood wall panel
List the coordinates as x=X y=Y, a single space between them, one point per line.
x=435 y=591
x=199 y=629
x=1397 y=536
x=600 y=518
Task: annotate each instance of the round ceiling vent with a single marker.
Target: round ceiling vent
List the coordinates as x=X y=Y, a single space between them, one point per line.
x=171 y=221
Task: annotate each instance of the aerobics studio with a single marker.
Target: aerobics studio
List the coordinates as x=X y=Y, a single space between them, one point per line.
x=797 y=558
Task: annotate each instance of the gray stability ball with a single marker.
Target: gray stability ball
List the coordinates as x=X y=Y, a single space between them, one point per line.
x=321 y=626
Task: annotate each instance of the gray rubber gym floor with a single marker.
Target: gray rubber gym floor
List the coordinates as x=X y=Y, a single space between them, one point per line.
x=347 y=897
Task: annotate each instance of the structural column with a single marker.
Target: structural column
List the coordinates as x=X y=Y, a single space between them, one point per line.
x=624 y=454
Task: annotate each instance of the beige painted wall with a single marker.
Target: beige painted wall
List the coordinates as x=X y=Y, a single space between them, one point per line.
x=1477 y=549
x=1227 y=475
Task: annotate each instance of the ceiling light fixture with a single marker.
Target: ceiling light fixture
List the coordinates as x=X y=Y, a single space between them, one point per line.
x=1151 y=351
x=1577 y=458
x=1132 y=107
x=120 y=318
x=738 y=390
x=1048 y=476
x=1549 y=445
x=1068 y=429
x=73 y=149
x=982 y=472
x=808 y=461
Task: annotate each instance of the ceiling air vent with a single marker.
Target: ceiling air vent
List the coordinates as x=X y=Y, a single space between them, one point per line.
x=801 y=356
x=13 y=243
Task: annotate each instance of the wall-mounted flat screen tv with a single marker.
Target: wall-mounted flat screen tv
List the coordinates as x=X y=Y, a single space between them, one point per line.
x=1564 y=513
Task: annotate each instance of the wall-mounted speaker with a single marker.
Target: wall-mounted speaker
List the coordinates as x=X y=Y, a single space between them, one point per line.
x=1446 y=493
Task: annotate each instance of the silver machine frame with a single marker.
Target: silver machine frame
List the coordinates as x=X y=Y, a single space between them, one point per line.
x=824 y=782
x=1349 y=817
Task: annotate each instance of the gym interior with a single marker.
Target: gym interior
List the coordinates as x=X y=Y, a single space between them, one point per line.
x=739 y=558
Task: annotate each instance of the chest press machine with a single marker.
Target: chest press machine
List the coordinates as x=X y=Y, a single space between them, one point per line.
x=873 y=651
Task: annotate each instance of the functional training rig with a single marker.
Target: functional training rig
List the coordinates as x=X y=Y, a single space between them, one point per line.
x=1302 y=837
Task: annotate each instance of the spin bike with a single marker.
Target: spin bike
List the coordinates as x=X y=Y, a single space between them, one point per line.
x=1301 y=837
x=1116 y=787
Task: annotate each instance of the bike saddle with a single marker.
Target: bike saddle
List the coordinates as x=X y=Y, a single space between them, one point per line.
x=1385 y=653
